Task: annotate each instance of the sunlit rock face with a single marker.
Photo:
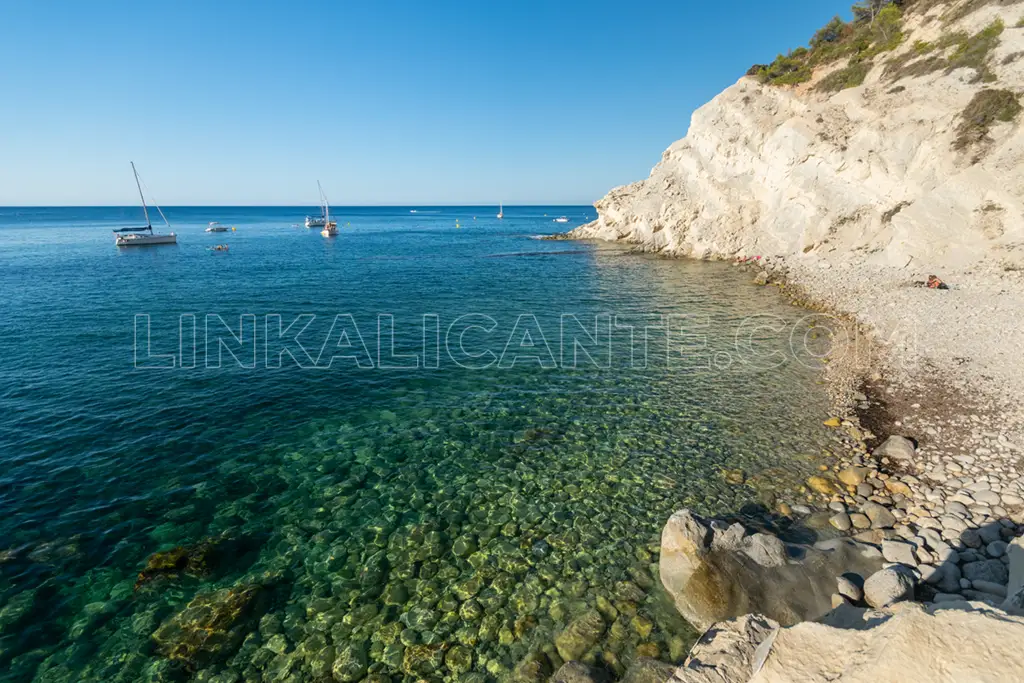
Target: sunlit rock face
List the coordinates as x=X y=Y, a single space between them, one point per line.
x=872 y=174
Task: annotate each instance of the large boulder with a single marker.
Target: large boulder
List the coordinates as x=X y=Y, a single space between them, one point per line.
x=715 y=571
x=906 y=642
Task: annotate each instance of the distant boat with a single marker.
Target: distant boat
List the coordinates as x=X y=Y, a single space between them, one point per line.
x=216 y=227
x=561 y=219
x=501 y=211
x=138 y=237
x=216 y=248
x=321 y=220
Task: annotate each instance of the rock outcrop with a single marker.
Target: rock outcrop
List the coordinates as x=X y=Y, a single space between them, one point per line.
x=906 y=642
x=873 y=174
x=715 y=571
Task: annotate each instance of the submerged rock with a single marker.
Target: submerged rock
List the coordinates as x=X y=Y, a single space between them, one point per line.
x=210 y=627
x=821 y=485
x=711 y=580
x=575 y=672
x=350 y=663
x=648 y=670
x=580 y=635
x=423 y=659
x=533 y=668
x=195 y=560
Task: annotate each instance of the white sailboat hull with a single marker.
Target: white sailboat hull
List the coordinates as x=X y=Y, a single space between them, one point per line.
x=140 y=239
x=144 y=237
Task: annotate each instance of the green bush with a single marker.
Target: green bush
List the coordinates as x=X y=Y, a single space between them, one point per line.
x=848 y=77
x=786 y=70
x=985 y=108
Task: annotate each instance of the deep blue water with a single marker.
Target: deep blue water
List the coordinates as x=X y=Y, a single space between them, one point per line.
x=464 y=446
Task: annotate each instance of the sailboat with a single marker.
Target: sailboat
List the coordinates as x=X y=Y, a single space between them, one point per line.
x=501 y=211
x=137 y=237
x=321 y=220
x=330 y=227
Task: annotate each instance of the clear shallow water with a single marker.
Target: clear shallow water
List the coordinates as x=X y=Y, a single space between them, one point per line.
x=435 y=522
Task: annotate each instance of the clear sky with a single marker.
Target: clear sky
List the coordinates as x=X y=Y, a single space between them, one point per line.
x=428 y=102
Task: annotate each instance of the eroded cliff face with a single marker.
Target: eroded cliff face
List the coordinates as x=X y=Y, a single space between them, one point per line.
x=871 y=174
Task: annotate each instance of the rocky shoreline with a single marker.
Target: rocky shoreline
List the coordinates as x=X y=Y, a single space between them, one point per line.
x=943 y=494
x=925 y=481
x=851 y=199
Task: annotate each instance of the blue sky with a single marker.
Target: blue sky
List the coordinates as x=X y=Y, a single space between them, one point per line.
x=384 y=102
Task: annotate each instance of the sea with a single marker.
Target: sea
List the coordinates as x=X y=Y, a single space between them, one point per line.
x=434 y=447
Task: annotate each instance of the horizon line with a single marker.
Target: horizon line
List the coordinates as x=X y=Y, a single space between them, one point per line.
x=283 y=206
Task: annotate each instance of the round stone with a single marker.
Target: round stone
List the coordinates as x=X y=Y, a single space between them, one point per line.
x=888 y=586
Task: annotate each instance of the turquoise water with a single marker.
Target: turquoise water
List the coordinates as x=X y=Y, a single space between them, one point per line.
x=351 y=519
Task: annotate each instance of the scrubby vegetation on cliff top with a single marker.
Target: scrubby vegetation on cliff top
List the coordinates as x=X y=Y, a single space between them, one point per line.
x=877 y=28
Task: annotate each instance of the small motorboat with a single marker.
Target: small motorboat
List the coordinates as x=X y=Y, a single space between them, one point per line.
x=561 y=219
x=218 y=247
x=216 y=227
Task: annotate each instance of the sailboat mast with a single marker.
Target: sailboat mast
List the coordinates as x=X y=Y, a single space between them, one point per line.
x=141 y=196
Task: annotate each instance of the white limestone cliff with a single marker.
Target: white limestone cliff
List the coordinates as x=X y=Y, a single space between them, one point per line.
x=866 y=175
